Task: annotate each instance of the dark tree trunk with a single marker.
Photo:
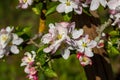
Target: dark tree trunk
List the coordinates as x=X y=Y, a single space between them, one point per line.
x=101 y=67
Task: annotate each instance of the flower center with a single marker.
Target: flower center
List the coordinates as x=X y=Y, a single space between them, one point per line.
x=24 y=1
x=84 y=45
x=68 y=3
x=3 y=37
x=59 y=36
x=84 y=59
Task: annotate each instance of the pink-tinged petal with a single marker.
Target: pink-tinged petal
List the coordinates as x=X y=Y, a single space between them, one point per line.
x=84 y=60
x=79 y=10
x=24 y=6
x=88 y=52
x=66 y=53
x=71 y=27
x=32 y=70
x=94 y=5
x=61 y=8
x=68 y=9
x=112 y=4
x=103 y=2
x=14 y=49
x=47 y=38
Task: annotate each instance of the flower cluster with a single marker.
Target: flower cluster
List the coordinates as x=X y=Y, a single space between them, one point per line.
x=9 y=42
x=76 y=5
x=64 y=37
x=28 y=61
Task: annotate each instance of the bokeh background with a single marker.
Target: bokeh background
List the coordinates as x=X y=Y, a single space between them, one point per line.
x=10 y=66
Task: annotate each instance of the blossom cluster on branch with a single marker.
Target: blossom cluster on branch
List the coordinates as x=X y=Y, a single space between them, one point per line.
x=62 y=38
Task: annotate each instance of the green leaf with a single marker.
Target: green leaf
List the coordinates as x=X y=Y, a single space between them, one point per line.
x=37 y=9
x=50 y=73
x=86 y=12
x=51 y=10
x=114 y=33
x=113 y=51
x=67 y=17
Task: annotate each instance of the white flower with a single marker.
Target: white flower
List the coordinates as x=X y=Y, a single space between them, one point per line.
x=85 y=45
x=96 y=3
x=5 y=36
x=24 y=3
x=66 y=6
x=29 y=58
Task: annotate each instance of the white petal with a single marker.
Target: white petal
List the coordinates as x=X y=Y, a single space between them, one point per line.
x=14 y=49
x=88 y=52
x=46 y=38
x=30 y=2
x=27 y=70
x=24 y=6
x=18 y=41
x=94 y=5
x=63 y=1
x=68 y=9
x=66 y=54
x=23 y=64
x=92 y=44
x=77 y=33
x=1 y=56
x=61 y=8
x=8 y=29
x=103 y=2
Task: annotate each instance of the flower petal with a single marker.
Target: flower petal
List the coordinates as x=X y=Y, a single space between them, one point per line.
x=66 y=53
x=88 y=52
x=14 y=49
x=103 y=2
x=94 y=5
x=77 y=33
x=61 y=8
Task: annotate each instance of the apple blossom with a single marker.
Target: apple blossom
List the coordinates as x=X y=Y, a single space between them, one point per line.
x=85 y=45
x=24 y=3
x=66 y=6
x=9 y=42
x=29 y=58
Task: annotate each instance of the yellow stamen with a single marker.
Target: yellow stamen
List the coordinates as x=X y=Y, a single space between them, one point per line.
x=59 y=36
x=84 y=45
x=24 y=1
x=68 y=3
x=4 y=37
